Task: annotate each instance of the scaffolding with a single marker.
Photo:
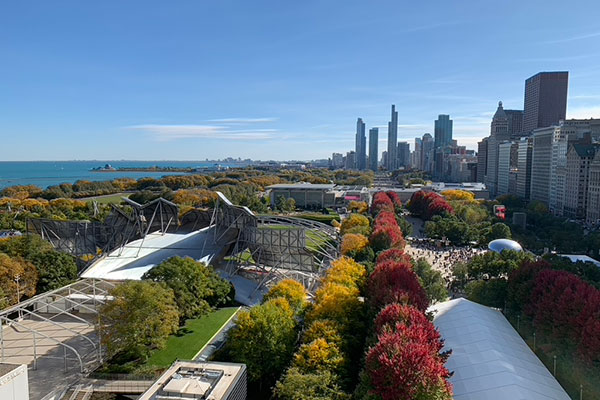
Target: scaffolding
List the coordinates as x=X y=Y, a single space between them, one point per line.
x=60 y=309
x=271 y=248
x=90 y=239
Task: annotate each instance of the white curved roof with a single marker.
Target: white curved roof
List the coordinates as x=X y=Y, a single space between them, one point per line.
x=489 y=359
x=499 y=245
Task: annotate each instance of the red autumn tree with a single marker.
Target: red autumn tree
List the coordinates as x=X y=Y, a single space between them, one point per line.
x=402 y=366
x=395 y=282
x=381 y=202
x=393 y=255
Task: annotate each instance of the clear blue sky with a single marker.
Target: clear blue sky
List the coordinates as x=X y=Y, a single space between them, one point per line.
x=278 y=79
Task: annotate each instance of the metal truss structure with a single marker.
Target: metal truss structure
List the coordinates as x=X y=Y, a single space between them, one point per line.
x=271 y=248
x=91 y=239
x=58 y=309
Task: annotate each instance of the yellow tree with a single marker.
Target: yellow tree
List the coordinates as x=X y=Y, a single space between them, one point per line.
x=318 y=355
x=353 y=242
x=291 y=290
x=18 y=278
x=355 y=223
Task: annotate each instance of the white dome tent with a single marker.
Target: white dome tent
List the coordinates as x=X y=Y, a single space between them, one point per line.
x=489 y=359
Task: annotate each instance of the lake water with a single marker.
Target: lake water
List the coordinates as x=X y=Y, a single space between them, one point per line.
x=48 y=173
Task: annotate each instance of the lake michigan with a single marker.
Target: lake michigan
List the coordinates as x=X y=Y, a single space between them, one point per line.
x=48 y=173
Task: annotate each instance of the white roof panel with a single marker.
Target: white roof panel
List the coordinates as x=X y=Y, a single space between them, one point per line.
x=489 y=359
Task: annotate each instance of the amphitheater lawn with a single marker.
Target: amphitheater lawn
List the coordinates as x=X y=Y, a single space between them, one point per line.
x=108 y=199
x=191 y=338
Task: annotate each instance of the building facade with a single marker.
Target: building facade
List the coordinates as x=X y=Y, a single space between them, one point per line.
x=579 y=158
x=545 y=100
x=593 y=204
x=482 y=160
x=443 y=131
x=507 y=165
x=515 y=123
x=360 y=145
x=392 y=149
x=427 y=153
x=373 y=148
x=498 y=134
x=524 y=153
x=403 y=155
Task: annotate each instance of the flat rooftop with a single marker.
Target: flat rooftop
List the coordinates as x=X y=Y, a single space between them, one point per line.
x=196 y=380
x=303 y=186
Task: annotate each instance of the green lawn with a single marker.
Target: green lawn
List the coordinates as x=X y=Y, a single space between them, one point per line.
x=112 y=199
x=191 y=338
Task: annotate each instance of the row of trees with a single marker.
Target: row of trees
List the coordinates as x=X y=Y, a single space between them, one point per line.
x=428 y=204
x=403 y=360
x=325 y=364
x=560 y=303
x=29 y=266
x=144 y=313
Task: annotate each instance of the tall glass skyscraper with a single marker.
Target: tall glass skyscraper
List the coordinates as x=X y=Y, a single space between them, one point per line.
x=361 y=145
x=373 y=148
x=392 y=146
x=443 y=131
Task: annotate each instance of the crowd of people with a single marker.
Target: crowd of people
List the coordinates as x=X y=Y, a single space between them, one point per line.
x=441 y=255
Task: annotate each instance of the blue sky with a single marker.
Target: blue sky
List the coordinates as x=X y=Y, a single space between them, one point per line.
x=191 y=80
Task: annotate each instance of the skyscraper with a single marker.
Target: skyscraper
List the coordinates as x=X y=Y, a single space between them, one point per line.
x=498 y=134
x=545 y=100
x=443 y=131
x=417 y=159
x=403 y=154
x=392 y=150
x=361 y=145
x=515 y=123
x=373 y=145
x=482 y=160
x=524 y=167
x=427 y=153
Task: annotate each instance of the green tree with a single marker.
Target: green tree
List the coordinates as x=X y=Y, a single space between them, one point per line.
x=55 y=270
x=491 y=293
x=319 y=385
x=495 y=265
x=405 y=226
x=286 y=205
x=499 y=231
x=263 y=339
x=431 y=280
x=197 y=287
x=140 y=318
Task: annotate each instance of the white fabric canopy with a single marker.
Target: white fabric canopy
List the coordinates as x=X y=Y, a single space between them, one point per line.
x=489 y=359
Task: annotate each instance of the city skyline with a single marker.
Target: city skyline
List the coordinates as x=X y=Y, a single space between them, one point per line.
x=76 y=75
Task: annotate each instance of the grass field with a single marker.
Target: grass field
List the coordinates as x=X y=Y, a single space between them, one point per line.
x=110 y=199
x=191 y=338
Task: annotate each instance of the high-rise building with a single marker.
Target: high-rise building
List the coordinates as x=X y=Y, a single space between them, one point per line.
x=515 y=123
x=541 y=162
x=498 y=134
x=507 y=165
x=427 y=153
x=403 y=155
x=373 y=148
x=524 y=167
x=579 y=157
x=443 y=131
x=548 y=168
x=361 y=145
x=482 y=160
x=593 y=205
x=417 y=154
x=392 y=155
x=545 y=100
x=337 y=160
x=351 y=160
